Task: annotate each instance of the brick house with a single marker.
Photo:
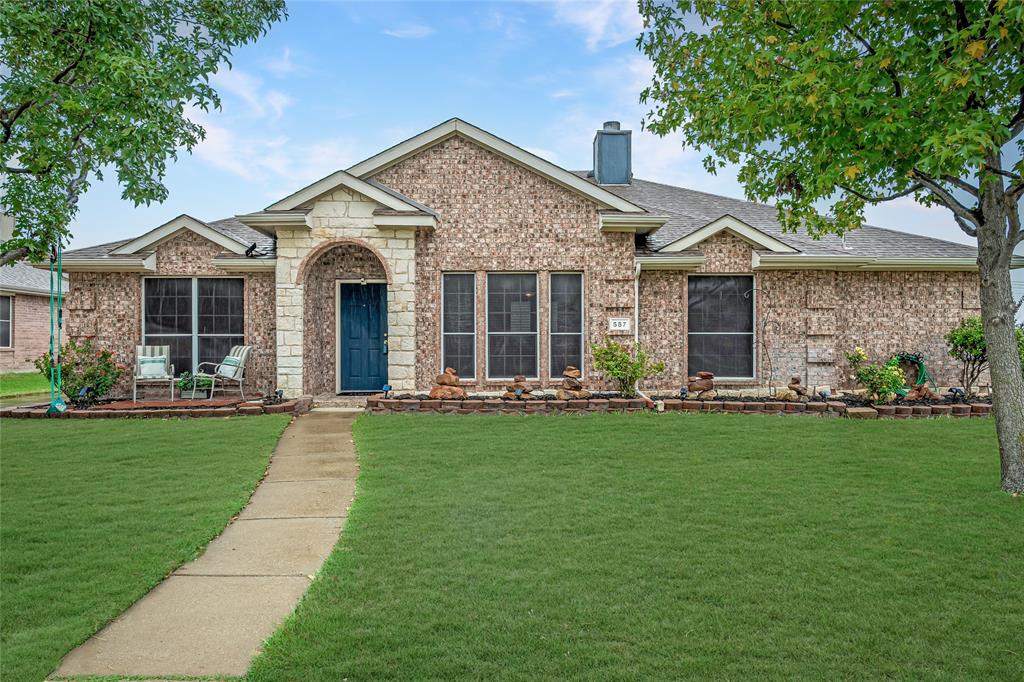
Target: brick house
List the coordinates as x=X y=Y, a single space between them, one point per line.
x=457 y=248
x=24 y=316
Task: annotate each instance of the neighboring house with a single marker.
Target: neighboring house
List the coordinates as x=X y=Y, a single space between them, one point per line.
x=457 y=248
x=24 y=316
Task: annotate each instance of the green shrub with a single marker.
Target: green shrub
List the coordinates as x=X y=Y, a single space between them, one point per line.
x=966 y=343
x=625 y=368
x=83 y=367
x=881 y=381
x=185 y=382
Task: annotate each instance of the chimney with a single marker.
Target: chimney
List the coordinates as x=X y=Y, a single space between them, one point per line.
x=612 y=156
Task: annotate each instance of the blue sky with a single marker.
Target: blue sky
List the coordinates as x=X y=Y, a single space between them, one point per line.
x=339 y=81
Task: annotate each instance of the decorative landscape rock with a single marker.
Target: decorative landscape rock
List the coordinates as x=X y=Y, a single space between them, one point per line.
x=921 y=392
x=572 y=387
x=703 y=385
x=447 y=386
x=794 y=392
x=518 y=389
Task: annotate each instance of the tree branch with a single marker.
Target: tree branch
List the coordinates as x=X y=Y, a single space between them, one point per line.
x=943 y=195
x=13 y=255
x=878 y=200
x=965 y=186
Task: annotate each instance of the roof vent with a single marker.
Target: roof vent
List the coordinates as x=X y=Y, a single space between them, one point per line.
x=612 y=155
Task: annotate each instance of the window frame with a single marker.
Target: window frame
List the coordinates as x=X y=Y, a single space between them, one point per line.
x=583 y=323
x=472 y=334
x=487 y=325
x=10 y=322
x=194 y=314
x=753 y=324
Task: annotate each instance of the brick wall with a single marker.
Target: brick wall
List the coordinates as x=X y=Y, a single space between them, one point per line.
x=30 y=333
x=345 y=261
x=815 y=317
x=495 y=215
x=107 y=307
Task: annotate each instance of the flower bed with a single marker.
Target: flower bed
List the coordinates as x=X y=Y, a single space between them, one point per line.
x=164 y=409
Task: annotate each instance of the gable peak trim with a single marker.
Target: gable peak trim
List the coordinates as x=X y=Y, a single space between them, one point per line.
x=173 y=227
x=733 y=225
x=342 y=178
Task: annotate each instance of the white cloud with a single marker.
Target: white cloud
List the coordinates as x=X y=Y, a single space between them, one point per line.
x=414 y=31
x=249 y=89
x=563 y=94
x=605 y=23
x=282 y=65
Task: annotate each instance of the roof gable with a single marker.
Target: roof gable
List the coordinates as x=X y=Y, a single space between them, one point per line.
x=387 y=198
x=728 y=223
x=455 y=126
x=173 y=227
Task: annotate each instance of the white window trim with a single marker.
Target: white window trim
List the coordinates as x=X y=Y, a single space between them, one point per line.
x=10 y=322
x=583 y=323
x=195 y=315
x=487 y=332
x=753 y=334
x=473 y=333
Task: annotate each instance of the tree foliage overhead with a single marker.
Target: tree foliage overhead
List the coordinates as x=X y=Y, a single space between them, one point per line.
x=846 y=102
x=88 y=86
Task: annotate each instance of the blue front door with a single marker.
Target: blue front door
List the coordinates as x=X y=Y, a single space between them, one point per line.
x=363 y=332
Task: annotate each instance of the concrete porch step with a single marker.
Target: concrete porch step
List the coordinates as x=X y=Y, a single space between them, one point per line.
x=353 y=401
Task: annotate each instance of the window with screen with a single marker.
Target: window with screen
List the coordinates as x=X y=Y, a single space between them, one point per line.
x=511 y=325
x=6 y=321
x=199 y=318
x=458 y=323
x=720 y=322
x=566 y=323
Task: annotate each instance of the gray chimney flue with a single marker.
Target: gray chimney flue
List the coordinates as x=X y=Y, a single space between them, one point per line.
x=612 y=155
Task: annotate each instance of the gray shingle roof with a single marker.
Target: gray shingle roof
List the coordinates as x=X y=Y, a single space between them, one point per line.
x=23 y=278
x=689 y=210
x=229 y=227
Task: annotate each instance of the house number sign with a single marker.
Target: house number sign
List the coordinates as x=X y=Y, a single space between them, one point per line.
x=618 y=324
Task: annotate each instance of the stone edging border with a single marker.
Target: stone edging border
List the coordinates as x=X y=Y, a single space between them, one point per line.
x=832 y=408
x=296 y=406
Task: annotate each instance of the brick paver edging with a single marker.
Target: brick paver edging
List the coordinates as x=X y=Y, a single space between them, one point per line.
x=833 y=408
x=297 y=406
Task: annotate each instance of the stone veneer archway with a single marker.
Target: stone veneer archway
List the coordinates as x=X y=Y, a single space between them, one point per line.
x=319 y=276
x=342 y=242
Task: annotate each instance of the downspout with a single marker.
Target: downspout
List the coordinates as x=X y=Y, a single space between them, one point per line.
x=636 y=326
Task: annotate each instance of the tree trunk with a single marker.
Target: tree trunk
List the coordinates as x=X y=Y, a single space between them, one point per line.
x=997 y=315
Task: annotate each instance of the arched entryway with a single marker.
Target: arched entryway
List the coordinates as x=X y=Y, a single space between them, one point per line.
x=345 y=319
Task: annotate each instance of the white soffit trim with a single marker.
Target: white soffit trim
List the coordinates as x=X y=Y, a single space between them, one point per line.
x=630 y=222
x=147 y=264
x=687 y=262
x=741 y=229
x=769 y=261
x=404 y=150
x=404 y=221
x=244 y=264
x=267 y=223
x=341 y=179
x=172 y=227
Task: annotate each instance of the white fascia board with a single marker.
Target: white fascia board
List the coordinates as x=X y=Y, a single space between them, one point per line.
x=172 y=227
x=1017 y=262
x=337 y=179
x=404 y=150
x=244 y=264
x=769 y=261
x=728 y=223
x=626 y=222
x=10 y=290
x=147 y=264
x=267 y=223
x=687 y=262
x=404 y=221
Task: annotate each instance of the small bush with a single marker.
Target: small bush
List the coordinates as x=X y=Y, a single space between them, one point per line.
x=881 y=381
x=615 y=360
x=83 y=367
x=185 y=382
x=967 y=344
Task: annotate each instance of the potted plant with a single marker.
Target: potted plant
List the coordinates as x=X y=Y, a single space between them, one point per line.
x=202 y=386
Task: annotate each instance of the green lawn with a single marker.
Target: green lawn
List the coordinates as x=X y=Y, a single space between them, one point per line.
x=94 y=513
x=666 y=547
x=22 y=383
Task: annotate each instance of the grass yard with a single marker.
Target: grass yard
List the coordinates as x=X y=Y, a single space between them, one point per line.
x=666 y=547
x=93 y=514
x=22 y=383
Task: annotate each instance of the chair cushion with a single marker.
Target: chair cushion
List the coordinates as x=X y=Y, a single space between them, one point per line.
x=229 y=367
x=153 y=367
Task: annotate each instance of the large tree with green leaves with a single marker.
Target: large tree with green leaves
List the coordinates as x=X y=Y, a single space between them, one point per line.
x=844 y=104
x=94 y=86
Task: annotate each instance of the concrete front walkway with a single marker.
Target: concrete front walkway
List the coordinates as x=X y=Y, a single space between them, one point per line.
x=210 y=617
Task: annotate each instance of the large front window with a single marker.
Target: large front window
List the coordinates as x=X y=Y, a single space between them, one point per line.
x=566 y=324
x=458 y=323
x=512 y=325
x=200 y=318
x=720 y=323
